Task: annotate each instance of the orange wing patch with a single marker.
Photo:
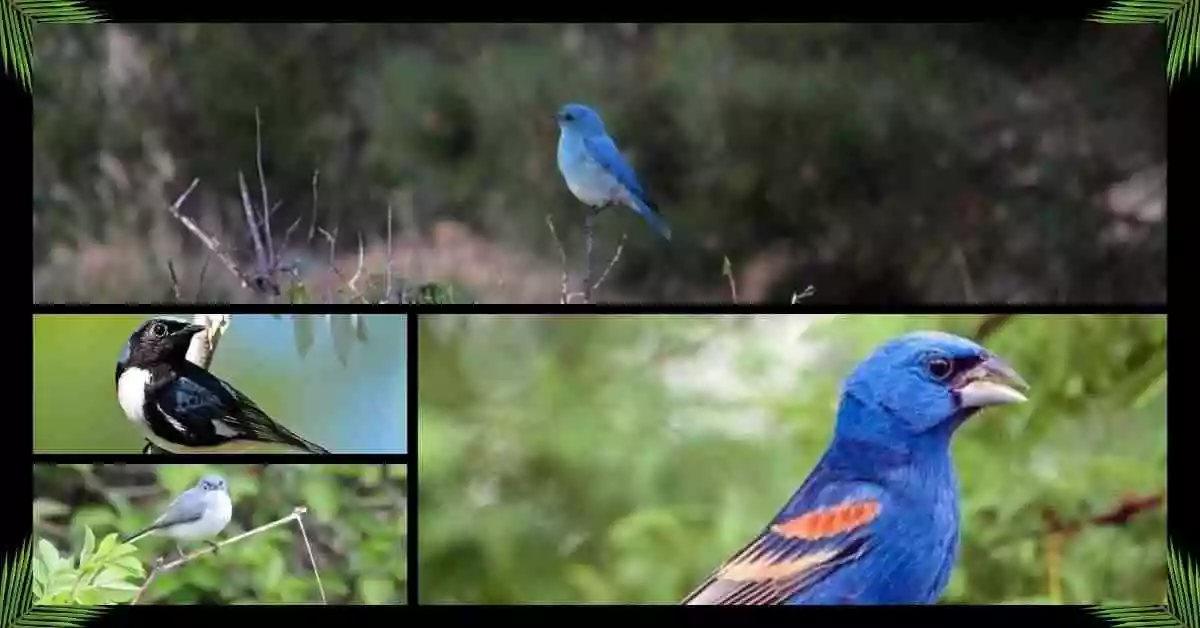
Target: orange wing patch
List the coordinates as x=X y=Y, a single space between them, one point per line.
x=830 y=521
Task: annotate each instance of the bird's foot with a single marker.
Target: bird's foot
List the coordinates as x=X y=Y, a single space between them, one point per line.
x=215 y=547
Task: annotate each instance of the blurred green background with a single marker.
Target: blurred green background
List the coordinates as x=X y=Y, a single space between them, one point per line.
x=876 y=162
x=356 y=406
x=622 y=458
x=356 y=525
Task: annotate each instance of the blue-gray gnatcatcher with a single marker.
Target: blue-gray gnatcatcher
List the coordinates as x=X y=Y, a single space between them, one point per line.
x=198 y=514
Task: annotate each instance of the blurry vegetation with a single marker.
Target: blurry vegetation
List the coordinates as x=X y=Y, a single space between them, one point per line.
x=355 y=523
x=888 y=162
x=621 y=459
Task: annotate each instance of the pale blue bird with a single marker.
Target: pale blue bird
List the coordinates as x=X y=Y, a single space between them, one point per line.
x=198 y=514
x=594 y=168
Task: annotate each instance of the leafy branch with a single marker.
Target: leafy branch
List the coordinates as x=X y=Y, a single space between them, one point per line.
x=1182 y=609
x=1181 y=17
x=17 y=18
x=19 y=608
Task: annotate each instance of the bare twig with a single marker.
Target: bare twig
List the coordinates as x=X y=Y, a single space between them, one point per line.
x=960 y=260
x=312 y=228
x=174 y=280
x=612 y=262
x=262 y=179
x=800 y=296
x=727 y=270
x=387 y=294
x=589 y=228
x=562 y=253
x=160 y=566
x=207 y=240
x=311 y=560
x=200 y=281
x=358 y=271
x=260 y=255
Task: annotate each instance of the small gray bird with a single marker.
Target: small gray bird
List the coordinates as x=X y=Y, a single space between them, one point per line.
x=198 y=514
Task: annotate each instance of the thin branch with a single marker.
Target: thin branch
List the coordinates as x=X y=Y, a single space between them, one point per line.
x=200 y=281
x=208 y=241
x=312 y=227
x=263 y=183
x=562 y=253
x=589 y=228
x=311 y=560
x=174 y=281
x=248 y=209
x=612 y=262
x=160 y=566
x=960 y=261
x=800 y=296
x=387 y=294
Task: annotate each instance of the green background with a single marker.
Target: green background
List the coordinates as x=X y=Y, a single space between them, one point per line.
x=358 y=406
x=622 y=458
x=356 y=524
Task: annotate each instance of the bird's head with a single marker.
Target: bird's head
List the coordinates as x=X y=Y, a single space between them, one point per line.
x=158 y=340
x=926 y=381
x=580 y=118
x=212 y=482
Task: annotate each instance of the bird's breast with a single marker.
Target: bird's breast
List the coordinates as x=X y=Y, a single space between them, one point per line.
x=131 y=393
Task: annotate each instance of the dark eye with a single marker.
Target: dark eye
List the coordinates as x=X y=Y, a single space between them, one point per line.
x=940 y=368
x=158 y=330
x=568 y=117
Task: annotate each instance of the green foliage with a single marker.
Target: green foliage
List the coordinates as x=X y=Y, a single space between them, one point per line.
x=355 y=524
x=1183 y=600
x=105 y=574
x=1182 y=21
x=620 y=459
x=17 y=606
x=17 y=18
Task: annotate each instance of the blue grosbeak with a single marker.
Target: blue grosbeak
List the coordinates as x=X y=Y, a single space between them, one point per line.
x=876 y=522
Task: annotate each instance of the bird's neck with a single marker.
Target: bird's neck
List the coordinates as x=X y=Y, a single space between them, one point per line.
x=881 y=442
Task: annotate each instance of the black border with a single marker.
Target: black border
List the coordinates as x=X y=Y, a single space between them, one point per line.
x=16 y=108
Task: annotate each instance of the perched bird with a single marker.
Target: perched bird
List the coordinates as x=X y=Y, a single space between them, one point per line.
x=198 y=514
x=181 y=407
x=876 y=522
x=594 y=169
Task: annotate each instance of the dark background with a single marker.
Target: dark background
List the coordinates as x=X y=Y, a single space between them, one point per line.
x=878 y=163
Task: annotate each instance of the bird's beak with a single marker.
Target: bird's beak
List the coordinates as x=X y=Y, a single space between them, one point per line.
x=991 y=383
x=190 y=330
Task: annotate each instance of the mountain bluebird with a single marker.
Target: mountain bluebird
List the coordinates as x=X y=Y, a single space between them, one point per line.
x=594 y=169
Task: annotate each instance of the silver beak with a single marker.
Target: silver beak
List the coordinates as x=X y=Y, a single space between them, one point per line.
x=991 y=383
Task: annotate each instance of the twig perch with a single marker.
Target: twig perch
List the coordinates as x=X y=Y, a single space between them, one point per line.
x=585 y=293
x=160 y=566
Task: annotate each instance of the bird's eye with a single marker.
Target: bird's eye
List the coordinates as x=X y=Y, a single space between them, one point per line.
x=939 y=367
x=568 y=117
x=158 y=330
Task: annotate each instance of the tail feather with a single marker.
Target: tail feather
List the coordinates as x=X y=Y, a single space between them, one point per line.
x=653 y=218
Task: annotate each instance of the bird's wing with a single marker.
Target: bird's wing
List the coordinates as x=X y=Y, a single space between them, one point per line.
x=188 y=507
x=603 y=150
x=204 y=402
x=822 y=530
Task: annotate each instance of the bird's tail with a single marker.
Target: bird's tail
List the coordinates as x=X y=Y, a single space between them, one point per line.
x=130 y=538
x=653 y=218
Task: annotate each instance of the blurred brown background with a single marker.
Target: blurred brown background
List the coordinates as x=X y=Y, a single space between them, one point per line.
x=877 y=163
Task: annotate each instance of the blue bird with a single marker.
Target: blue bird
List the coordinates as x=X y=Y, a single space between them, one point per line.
x=595 y=170
x=876 y=522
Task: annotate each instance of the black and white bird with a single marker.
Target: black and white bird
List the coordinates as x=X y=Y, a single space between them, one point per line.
x=182 y=408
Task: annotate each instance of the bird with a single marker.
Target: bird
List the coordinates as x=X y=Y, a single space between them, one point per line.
x=877 y=520
x=197 y=514
x=183 y=408
x=594 y=169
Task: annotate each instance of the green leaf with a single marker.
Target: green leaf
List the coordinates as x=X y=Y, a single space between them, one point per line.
x=1183 y=600
x=17 y=609
x=1181 y=17
x=89 y=546
x=17 y=18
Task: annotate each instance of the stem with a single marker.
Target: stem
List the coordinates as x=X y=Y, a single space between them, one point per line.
x=589 y=225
